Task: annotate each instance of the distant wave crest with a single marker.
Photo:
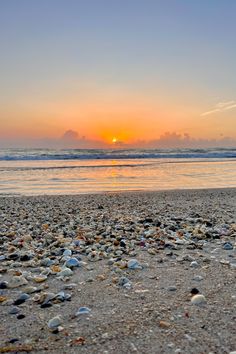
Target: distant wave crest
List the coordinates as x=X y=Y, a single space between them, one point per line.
x=42 y=155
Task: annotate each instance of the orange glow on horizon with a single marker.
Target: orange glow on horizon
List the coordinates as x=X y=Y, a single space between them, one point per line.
x=111 y=117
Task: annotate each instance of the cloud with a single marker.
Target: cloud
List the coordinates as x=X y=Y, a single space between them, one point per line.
x=225 y=104
x=69 y=140
x=220 y=107
x=70 y=135
x=175 y=140
x=231 y=107
x=72 y=140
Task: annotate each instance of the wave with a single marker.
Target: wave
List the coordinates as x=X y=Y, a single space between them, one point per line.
x=69 y=167
x=83 y=154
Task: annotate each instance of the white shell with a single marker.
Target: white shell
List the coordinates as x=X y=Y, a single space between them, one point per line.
x=198 y=299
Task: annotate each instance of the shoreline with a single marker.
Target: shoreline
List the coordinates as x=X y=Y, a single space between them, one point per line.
x=60 y=253
x=122 y=192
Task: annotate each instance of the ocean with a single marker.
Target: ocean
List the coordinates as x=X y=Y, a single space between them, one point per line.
x=76 y=171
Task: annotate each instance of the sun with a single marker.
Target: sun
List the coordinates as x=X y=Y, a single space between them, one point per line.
x=114 y=140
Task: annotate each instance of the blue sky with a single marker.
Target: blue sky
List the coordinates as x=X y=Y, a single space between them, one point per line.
x=181 y=52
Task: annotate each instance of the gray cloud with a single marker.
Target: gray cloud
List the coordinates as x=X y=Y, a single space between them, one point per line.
x=70 y=135
x=72 y=140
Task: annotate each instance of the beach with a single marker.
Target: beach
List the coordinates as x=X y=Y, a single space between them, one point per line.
x=134 y=272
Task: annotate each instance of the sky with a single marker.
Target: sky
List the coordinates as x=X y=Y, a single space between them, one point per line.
x=125 y=73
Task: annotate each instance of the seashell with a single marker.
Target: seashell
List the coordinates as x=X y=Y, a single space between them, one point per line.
x=83 y=311
x=228 y=246
x=194 y=264
x=125 y=282
x=17 y=281
x=119 y=253
x=198 y=299
x=36 y=297
x=21 y=299
x=121 y=264
x=3 y=298
x=40 y=278
x=55 y=322
x=67 y=253
x=65 y=272
x=46 y=262
x=72 y=262
x=93 y=257
x=151 y=251
x=134 y=264
x=164 y=324
x=70 y=286
x=14 y=310
x=55 y=269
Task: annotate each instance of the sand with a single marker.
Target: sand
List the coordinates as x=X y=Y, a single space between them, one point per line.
x=178 y=239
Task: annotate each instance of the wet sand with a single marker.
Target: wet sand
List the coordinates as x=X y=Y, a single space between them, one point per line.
x=181 y=243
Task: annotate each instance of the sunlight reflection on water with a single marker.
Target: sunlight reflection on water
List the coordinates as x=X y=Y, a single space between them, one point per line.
x=91 y=176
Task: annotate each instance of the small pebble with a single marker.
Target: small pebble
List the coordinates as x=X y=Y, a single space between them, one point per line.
x=20 y=317
x=3 y=285
x=197 y=278
x=172 y=288
x=194 y=291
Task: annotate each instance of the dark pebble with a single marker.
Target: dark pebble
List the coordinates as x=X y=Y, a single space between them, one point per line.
x=19 y=302
x=194 y=291
x=21 y=299
x=169 y=254
x=3 y=285
x=149 y=220
x=13 y=340
x=157 y=223
x=55 y=331
x=122 y=244
x=20 y=317
x=208 y=223
x=46 y=305
x=13 y=256
x=24 y=258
